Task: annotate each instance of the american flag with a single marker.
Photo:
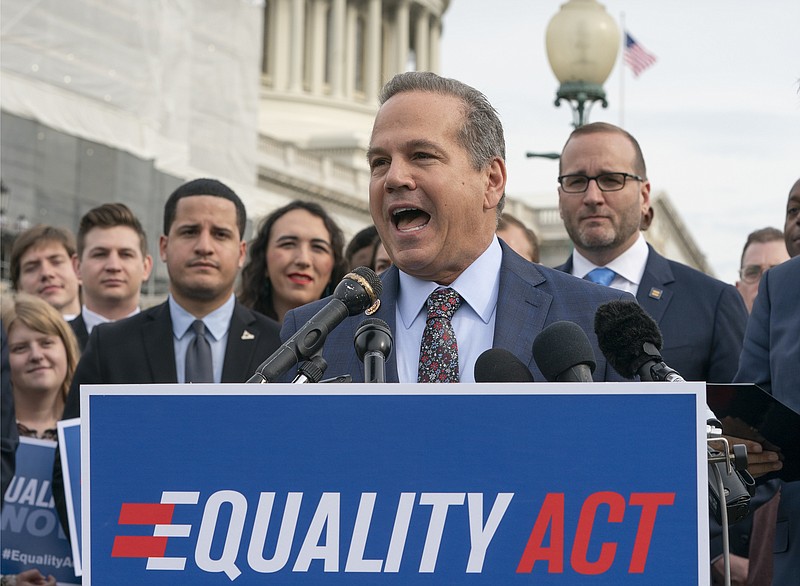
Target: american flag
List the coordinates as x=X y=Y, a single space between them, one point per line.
x=636 y=57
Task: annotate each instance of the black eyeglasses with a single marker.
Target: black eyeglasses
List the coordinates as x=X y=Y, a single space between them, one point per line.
x=605 y=182
x=752 y=273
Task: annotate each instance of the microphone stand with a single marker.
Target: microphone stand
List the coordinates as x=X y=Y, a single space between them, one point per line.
x=311 y=370
x=739 y=459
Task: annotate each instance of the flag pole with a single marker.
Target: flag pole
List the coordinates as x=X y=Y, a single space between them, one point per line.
x=622 y=73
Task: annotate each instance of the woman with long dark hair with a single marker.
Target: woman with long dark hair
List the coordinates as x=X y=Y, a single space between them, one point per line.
x=295 y=258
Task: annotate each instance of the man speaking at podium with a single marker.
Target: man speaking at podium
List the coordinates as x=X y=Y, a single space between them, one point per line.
x=437 y=190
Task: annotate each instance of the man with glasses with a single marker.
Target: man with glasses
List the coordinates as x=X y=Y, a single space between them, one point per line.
x=603 y=195
x=764 y=249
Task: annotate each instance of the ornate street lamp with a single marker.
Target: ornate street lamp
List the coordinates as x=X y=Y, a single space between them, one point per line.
x=582 y=44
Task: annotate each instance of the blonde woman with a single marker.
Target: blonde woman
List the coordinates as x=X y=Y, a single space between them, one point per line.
x=42 y=356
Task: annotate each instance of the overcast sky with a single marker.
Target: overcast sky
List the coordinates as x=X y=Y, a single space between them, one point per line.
x=717 y=116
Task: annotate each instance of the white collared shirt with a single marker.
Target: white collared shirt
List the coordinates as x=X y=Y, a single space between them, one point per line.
x=92 y=318
x=217 y=323
x=629 y=266
x=473 y=323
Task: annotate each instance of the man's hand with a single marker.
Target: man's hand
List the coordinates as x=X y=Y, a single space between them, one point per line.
x=739 y=569
x=759 y=460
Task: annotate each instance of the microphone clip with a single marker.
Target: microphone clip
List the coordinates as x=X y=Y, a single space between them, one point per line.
x=730 y=485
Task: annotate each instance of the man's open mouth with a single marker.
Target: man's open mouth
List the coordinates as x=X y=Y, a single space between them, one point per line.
x=410 y=219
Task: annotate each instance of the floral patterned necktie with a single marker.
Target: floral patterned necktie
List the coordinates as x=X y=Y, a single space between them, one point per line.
x=438 y=353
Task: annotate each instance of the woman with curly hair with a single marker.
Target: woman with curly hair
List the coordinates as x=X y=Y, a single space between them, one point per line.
x=295 y=258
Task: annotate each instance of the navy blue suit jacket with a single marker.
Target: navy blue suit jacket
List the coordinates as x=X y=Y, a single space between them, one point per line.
x=140 y=350
x=771 y=359
x=701 y=318
x=771 y=354
x=531 y=297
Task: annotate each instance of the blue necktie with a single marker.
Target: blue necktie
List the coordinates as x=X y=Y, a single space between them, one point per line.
x=601 y=276
x=199 y=368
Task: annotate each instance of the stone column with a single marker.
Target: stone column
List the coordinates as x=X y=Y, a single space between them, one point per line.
x=435 y=54
x=297 y=40
x=337 y=56
x=318 y=45
x=422 y=30
x=401 y=36
x=372 y=73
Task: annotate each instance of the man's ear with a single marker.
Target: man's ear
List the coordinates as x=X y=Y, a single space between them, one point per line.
x=162 y=247
x=76 y=266
x=496 y=182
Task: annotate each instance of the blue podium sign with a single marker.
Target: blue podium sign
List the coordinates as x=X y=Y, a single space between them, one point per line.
x=395 y=484
x=31 y=532
x=69 y=446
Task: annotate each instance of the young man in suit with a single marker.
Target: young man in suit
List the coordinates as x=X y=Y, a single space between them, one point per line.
x=437 y=189
x=203 y=248
x=41 y=264
x=603 y=195
x=112 y=263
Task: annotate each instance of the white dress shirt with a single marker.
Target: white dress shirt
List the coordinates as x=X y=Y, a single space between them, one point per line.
x=92 y=318
x=473 y=323
x=217 y=323
x=629 y=266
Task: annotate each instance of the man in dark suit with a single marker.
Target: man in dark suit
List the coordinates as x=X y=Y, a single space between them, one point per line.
x=203 y=249
x=112 y=263
x=771 y=359
x=437 y=189
x=603 y=196
x=791 y=229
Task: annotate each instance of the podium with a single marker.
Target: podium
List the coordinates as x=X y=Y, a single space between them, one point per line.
x=561 y=483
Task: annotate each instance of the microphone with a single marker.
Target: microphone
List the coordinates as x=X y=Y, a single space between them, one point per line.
x=373 y=343
x=356 y=292
x=564 y=354
x=631 y=341
x=498 y=365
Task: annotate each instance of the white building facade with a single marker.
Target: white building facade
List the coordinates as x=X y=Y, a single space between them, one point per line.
x=123 y=100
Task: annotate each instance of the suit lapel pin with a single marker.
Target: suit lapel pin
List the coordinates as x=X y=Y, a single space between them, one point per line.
x=247 y=335
x=656 y=293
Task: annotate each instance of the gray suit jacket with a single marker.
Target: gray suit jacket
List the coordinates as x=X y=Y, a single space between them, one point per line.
x=531 y=297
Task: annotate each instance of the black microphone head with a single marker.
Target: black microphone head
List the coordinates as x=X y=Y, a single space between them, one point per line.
x=359 y=289
x=561 y=346
x=373 y=335
x=498 y=365
x=623 y=328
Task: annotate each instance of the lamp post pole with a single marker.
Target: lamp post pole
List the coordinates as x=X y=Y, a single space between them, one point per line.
x=553 y=156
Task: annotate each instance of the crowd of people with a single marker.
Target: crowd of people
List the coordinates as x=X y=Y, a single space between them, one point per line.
x=439 y=239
